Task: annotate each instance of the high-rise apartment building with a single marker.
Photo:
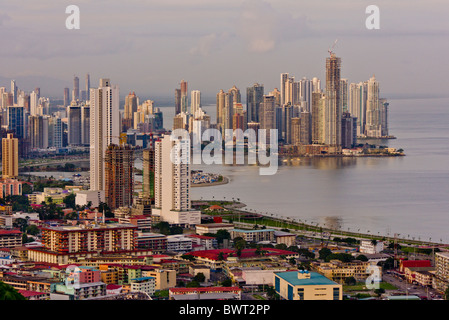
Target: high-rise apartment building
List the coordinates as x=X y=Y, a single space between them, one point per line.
x=318 y=105
x=87 y=87
x=148 y=173
x=14 y=91
x=267 y=115
x=184 y=97
x=195 y=101
x=74 y=124
x=373 y=115
x=177 y=101
x=130 y=110
x=254 y=97
x=76 y=88
x=104 y=129
x=332 y=132
x=38 y=131
x=284 y=78
x=172 y=182
x=16 y=121
x=66 y=97
x=119 y=177
x=10 y=157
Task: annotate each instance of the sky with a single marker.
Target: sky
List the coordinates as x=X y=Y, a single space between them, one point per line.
x=149 y=46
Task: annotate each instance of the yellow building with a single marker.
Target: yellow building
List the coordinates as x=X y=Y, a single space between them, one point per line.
x=165 y=278
x=339 y=271
x=305 y=285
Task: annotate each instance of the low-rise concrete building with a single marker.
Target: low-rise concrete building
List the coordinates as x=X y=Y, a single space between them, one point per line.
x=304 y=285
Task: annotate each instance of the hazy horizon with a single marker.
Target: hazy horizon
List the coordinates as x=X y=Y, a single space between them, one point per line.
x=150 y=46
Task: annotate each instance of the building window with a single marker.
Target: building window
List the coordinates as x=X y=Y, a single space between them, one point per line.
x=336 y=293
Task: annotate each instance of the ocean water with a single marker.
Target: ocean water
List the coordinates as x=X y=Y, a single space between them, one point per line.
x=382 y=196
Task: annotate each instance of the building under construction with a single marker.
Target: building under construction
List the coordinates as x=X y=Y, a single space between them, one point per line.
x=119 y=178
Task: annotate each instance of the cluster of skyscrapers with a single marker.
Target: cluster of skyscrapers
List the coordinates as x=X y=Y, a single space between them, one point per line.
x=303 y=113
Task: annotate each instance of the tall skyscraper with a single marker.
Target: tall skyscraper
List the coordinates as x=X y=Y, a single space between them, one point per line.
x=373 y=116
x=76 y=88
x=16 y=121
x=34 y=102
x=384 y=116
x=10 y=156
x=284 y=78
x=74 y=124
x=104 y=128
x=130 y=110
x=66 y=97
x=85 y=124
x=195 y=101
x=177 y=101
x=56 y=132
x=148 y=173
x=172 y=183
x=344 y=95
x=316 y=85
x=184 y=97
x=332 y=132
x=306 y=128
x=348 y=130
x=119 y=182
x=318 y=106
x=87 y=86
x=14 y=91
x=306 y=89
x=38 y=132
x=221 y=96
x=268 y=115
x=254 y=97
x=357 y=104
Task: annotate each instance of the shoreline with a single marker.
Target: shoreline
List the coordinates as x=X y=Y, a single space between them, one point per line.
x=217 y=183
x=314 y=230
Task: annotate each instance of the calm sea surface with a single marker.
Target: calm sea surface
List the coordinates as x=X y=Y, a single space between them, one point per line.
x=406 y=195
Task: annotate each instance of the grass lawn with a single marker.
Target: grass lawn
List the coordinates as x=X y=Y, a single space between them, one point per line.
x=259 y=297
x=362 y=287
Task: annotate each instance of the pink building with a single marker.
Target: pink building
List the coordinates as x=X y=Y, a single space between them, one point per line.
x=89 y=275
x=10 y=187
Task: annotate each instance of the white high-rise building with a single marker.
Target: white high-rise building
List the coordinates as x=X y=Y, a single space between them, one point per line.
x=284 y=78
x=373 y=115
x=357 y=104
x=172 y=182
x=316 y=85
x=306 y=89
x=104 y=128
x=195 y=101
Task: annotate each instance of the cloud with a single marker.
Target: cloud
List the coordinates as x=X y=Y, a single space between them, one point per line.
x=263 y=27
x=209 y=43
x=4 y=17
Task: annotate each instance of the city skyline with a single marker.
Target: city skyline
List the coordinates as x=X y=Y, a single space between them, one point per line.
x=293 y=38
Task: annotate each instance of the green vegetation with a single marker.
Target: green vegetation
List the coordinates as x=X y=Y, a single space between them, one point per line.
x=7 y=292
x=165 y=228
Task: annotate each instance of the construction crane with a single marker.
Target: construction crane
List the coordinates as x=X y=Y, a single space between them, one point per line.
x=332 y=48
x=121 y=137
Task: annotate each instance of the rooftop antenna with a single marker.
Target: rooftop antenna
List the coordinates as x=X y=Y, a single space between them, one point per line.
x=332 y=47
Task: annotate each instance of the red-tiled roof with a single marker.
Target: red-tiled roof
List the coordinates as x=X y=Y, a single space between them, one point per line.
x=200 y=237
x=205 y=289
x=415 y=263
x=27 y=293
x=113 y=287
x=245 y=253
x=5 y=232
